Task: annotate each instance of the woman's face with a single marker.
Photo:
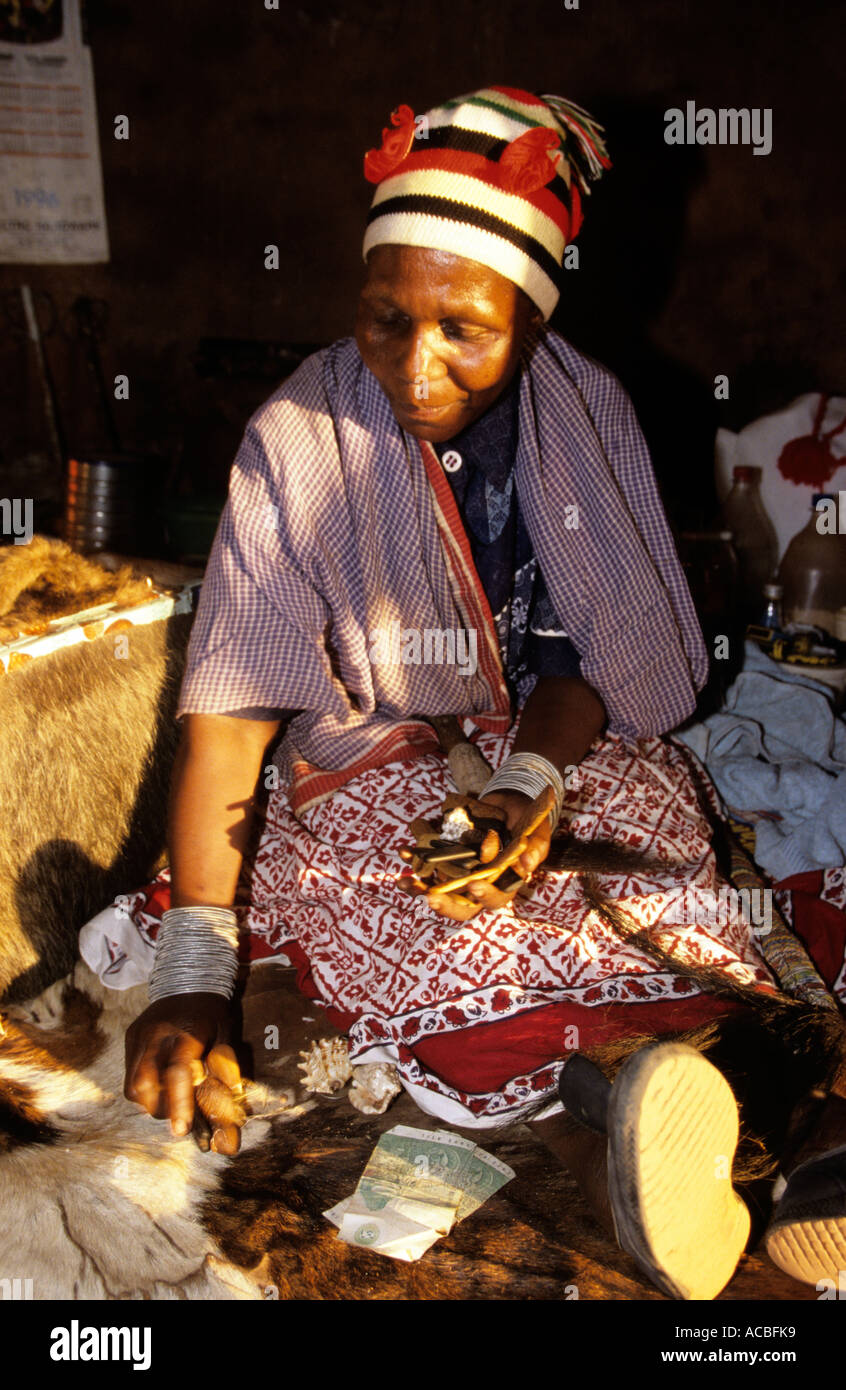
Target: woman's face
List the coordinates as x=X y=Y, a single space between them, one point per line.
x=441 y=334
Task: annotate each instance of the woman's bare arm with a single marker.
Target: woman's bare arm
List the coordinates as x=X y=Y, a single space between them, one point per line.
x=211 y=805
x=211 y=813
x=561 y=718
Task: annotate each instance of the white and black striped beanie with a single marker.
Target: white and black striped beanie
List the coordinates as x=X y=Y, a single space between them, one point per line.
x=496 y=176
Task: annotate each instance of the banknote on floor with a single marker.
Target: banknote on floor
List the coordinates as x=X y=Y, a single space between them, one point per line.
x=417 y=1184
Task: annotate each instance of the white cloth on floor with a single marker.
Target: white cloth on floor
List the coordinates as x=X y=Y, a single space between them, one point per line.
x=111 y=946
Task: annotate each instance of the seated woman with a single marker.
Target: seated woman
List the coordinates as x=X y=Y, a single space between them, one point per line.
x=454 y=514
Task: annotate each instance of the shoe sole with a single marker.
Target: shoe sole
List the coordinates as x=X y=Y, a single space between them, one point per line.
x=672 y=1133
x=810 y=1250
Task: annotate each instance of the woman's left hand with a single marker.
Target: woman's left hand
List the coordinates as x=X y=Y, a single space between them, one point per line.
x=516 y=807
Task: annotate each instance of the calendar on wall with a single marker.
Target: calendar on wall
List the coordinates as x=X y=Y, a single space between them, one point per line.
x=51 y=182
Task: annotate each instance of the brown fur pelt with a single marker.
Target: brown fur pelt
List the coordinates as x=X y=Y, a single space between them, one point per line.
x=87 y=742
x=97 y=1200
x=46 y=579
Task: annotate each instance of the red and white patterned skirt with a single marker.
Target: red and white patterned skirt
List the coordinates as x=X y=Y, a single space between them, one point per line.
x=478 y=1017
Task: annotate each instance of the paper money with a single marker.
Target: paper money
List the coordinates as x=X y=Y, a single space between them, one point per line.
x=389 y=1233
x=483 y=1176
x=335 y=1214
x=416 y=1185
x=419 y=1173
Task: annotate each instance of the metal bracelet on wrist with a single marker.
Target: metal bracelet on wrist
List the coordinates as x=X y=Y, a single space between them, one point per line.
x=528 y=773
x=196 y=953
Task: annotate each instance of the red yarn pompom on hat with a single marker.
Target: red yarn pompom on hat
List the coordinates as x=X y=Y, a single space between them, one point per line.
x=809 y=461
x=576 y=215
x=395 y=146
x=525 y=165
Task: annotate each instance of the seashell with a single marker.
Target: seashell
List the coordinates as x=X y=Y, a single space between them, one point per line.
x=374 y=1086
x=326 y=1066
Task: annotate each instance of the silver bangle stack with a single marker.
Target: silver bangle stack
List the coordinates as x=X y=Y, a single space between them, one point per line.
x=196 y=953
x=528 y=773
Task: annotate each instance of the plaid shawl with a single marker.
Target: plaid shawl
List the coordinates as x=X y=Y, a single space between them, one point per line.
x=338 y=525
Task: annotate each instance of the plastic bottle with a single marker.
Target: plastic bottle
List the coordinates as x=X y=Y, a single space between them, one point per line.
x=813 y=571
x=755 y=541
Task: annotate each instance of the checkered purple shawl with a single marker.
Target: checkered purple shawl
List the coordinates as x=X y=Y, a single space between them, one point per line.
x=330 y=532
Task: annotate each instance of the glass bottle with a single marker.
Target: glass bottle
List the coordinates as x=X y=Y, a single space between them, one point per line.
x=755 y=541
x=813 y=571
x=710 y=566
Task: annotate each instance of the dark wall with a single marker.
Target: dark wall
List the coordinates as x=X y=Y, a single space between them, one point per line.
x=248 y=126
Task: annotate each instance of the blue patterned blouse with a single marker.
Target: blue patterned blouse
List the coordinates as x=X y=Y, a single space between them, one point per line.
x=479 y=464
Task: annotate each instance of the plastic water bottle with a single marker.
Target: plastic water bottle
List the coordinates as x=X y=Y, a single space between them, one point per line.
x=813 y=572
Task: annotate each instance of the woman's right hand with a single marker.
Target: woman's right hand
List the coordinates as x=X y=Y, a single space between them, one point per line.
x=179 y=1066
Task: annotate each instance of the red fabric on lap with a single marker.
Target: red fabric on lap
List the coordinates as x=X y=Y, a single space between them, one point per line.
x=815 y=910
x=484 y=1058
x=305 y=983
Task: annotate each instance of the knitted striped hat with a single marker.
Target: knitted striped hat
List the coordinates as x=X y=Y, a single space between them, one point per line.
x=496 y=176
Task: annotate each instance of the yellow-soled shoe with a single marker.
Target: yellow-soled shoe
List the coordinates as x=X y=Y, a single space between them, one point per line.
x=807 y=1235
x=672 y=1132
